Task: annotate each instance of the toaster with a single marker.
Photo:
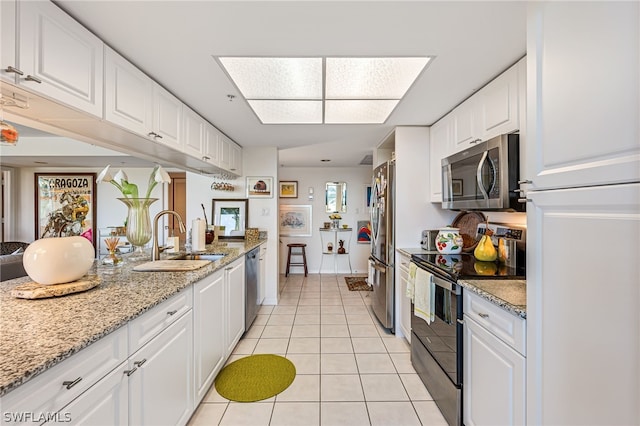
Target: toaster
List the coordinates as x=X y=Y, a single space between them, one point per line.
x=428 y=239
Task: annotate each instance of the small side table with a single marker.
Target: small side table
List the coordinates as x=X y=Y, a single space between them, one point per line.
x=333 y=235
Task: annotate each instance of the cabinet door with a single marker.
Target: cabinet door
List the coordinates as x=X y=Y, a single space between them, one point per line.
x=193 y=130
x=8 y=40
x=583 y=98
x=404 y=301
x=236 y=159
x=464 y=119
x=167 y=117
x=105 y=403
x=497 y=106
x=211 y=145
x=262 y=283
x=438 y=149
x=494 y=379
x=572 y=301
x=128 y=95
x=161 y=387
x=225 y=152
x=235 y=303
x=60 y=53
x=208 y=331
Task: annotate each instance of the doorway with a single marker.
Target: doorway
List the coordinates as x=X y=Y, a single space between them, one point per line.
x=177 y=194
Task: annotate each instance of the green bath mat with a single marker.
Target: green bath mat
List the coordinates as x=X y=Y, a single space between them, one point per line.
x=255 y=378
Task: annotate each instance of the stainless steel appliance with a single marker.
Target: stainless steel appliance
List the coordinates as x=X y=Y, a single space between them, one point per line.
x=381 y=275
x=483 y=177
x=436 y=348
x=251 y=270
x=428 y=239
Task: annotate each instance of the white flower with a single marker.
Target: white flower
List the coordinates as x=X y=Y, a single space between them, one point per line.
x=130 y=190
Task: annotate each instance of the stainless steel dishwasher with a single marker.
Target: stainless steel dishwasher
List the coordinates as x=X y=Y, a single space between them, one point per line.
x=252 y=269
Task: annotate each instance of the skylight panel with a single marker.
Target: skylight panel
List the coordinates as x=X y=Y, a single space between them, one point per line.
x=287 y=112
x=358 y=111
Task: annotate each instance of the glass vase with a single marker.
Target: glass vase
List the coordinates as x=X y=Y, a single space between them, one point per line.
x=138 y=224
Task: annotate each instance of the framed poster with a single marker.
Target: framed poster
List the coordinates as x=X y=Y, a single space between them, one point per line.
x=364 y=232
x=367 y=195
x=456 y=186
x=259 y=187
x=288 y=189
x=65 y=205
x=231 y=215
x=294 y=220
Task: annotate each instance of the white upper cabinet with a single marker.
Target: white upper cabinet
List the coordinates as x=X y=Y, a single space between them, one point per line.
x=51 y=54
x=167 y=118
x=192 y=132
x=438 y=149
x=225 y=152
x=211 y=145
x=129 y=95
x=236 y=159
x=583 y=94
x=493 y=111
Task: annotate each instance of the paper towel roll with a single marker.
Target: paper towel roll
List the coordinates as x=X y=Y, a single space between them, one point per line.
x=198 y=230
x=173 y=242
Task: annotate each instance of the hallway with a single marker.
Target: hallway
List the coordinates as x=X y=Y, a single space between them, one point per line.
x=350 y=370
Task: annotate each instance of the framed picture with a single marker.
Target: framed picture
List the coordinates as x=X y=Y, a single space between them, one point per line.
x=288 y=189
x=456 y=186
x=364 y=232
x=65 y=205
x=367 y=195
x=231 y=215
x=294 y=220
x=259 y=187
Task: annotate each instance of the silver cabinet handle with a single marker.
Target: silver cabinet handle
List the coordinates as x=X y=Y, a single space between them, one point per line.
x=14 y=70
x=205 y=158
x=139 y=363
x=475 y=141
x=172 y=312
x=524 y=182
x=69 y=384
x=152 y=134
x=32 y=78
x=524 y=200
x=483 y=315
x=130 y=372
x=157 y=136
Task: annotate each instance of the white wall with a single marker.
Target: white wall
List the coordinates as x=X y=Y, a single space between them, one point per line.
x=357 y=178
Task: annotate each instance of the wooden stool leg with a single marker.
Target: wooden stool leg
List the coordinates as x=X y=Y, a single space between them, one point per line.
x=304 y=260
x=286 y=274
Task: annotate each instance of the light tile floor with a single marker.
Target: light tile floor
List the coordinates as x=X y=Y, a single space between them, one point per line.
x=349 y=370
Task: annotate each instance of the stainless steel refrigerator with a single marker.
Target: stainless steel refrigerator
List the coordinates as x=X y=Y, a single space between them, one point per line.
x=381 y=275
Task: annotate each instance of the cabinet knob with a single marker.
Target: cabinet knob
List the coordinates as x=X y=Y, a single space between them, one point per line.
x=34 y=79
x=14 y=70
x=71 y=383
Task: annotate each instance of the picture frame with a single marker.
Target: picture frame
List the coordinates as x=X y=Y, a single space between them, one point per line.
x=232 y=214
x=288 y=189
x=65 y=205
x=294 y=220
x=367 y=195
x=456 y=186
x=259 y=187
x=363 y=232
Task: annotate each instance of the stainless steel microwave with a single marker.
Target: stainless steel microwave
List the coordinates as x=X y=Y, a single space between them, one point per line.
x=484 y=176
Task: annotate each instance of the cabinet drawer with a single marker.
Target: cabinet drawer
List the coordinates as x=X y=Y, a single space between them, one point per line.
x=504 y=325
x=151 y=323
x=46 y=393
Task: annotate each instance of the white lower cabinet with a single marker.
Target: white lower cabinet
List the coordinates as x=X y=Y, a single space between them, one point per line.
x=208 y=331
x=160 y=381
x=262 y=280
x=404 y=301
x=234 y=286
x=494 y=372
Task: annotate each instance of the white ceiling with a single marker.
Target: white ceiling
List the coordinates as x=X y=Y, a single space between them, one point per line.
x=175 y=42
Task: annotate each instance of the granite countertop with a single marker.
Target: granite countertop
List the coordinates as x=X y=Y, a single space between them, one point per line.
x=37 y=334
x=511 y=295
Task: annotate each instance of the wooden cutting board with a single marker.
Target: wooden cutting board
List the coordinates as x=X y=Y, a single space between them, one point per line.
x=171 y=265
x=33 y=290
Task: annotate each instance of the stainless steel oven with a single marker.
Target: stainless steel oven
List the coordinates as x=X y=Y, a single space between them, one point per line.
x=436 y=349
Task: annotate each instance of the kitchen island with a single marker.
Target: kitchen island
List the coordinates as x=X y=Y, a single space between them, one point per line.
x=36 y=335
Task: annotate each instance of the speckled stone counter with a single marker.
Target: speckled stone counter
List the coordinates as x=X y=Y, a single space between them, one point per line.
x=37 y=334
x=511 y=295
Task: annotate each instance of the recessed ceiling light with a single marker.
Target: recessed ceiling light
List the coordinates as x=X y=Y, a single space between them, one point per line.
x=323 y=90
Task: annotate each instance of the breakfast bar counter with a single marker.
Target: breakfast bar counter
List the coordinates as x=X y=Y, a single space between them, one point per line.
x=37 y=334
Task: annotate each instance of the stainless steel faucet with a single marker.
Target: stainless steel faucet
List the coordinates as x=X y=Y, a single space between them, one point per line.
x=155 y=250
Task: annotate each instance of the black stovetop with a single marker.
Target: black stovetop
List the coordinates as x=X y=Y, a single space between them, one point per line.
x=464 y=265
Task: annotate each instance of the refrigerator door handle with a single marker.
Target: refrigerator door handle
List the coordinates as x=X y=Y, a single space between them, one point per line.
x=377 y=265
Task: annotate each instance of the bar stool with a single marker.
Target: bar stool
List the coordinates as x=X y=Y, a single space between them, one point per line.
x=302 y=253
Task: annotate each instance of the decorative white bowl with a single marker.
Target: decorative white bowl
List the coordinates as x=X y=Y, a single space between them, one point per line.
x=449 y=241
x=58 y=260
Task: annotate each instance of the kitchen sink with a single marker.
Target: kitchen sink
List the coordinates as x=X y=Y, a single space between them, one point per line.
x=211 y=257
